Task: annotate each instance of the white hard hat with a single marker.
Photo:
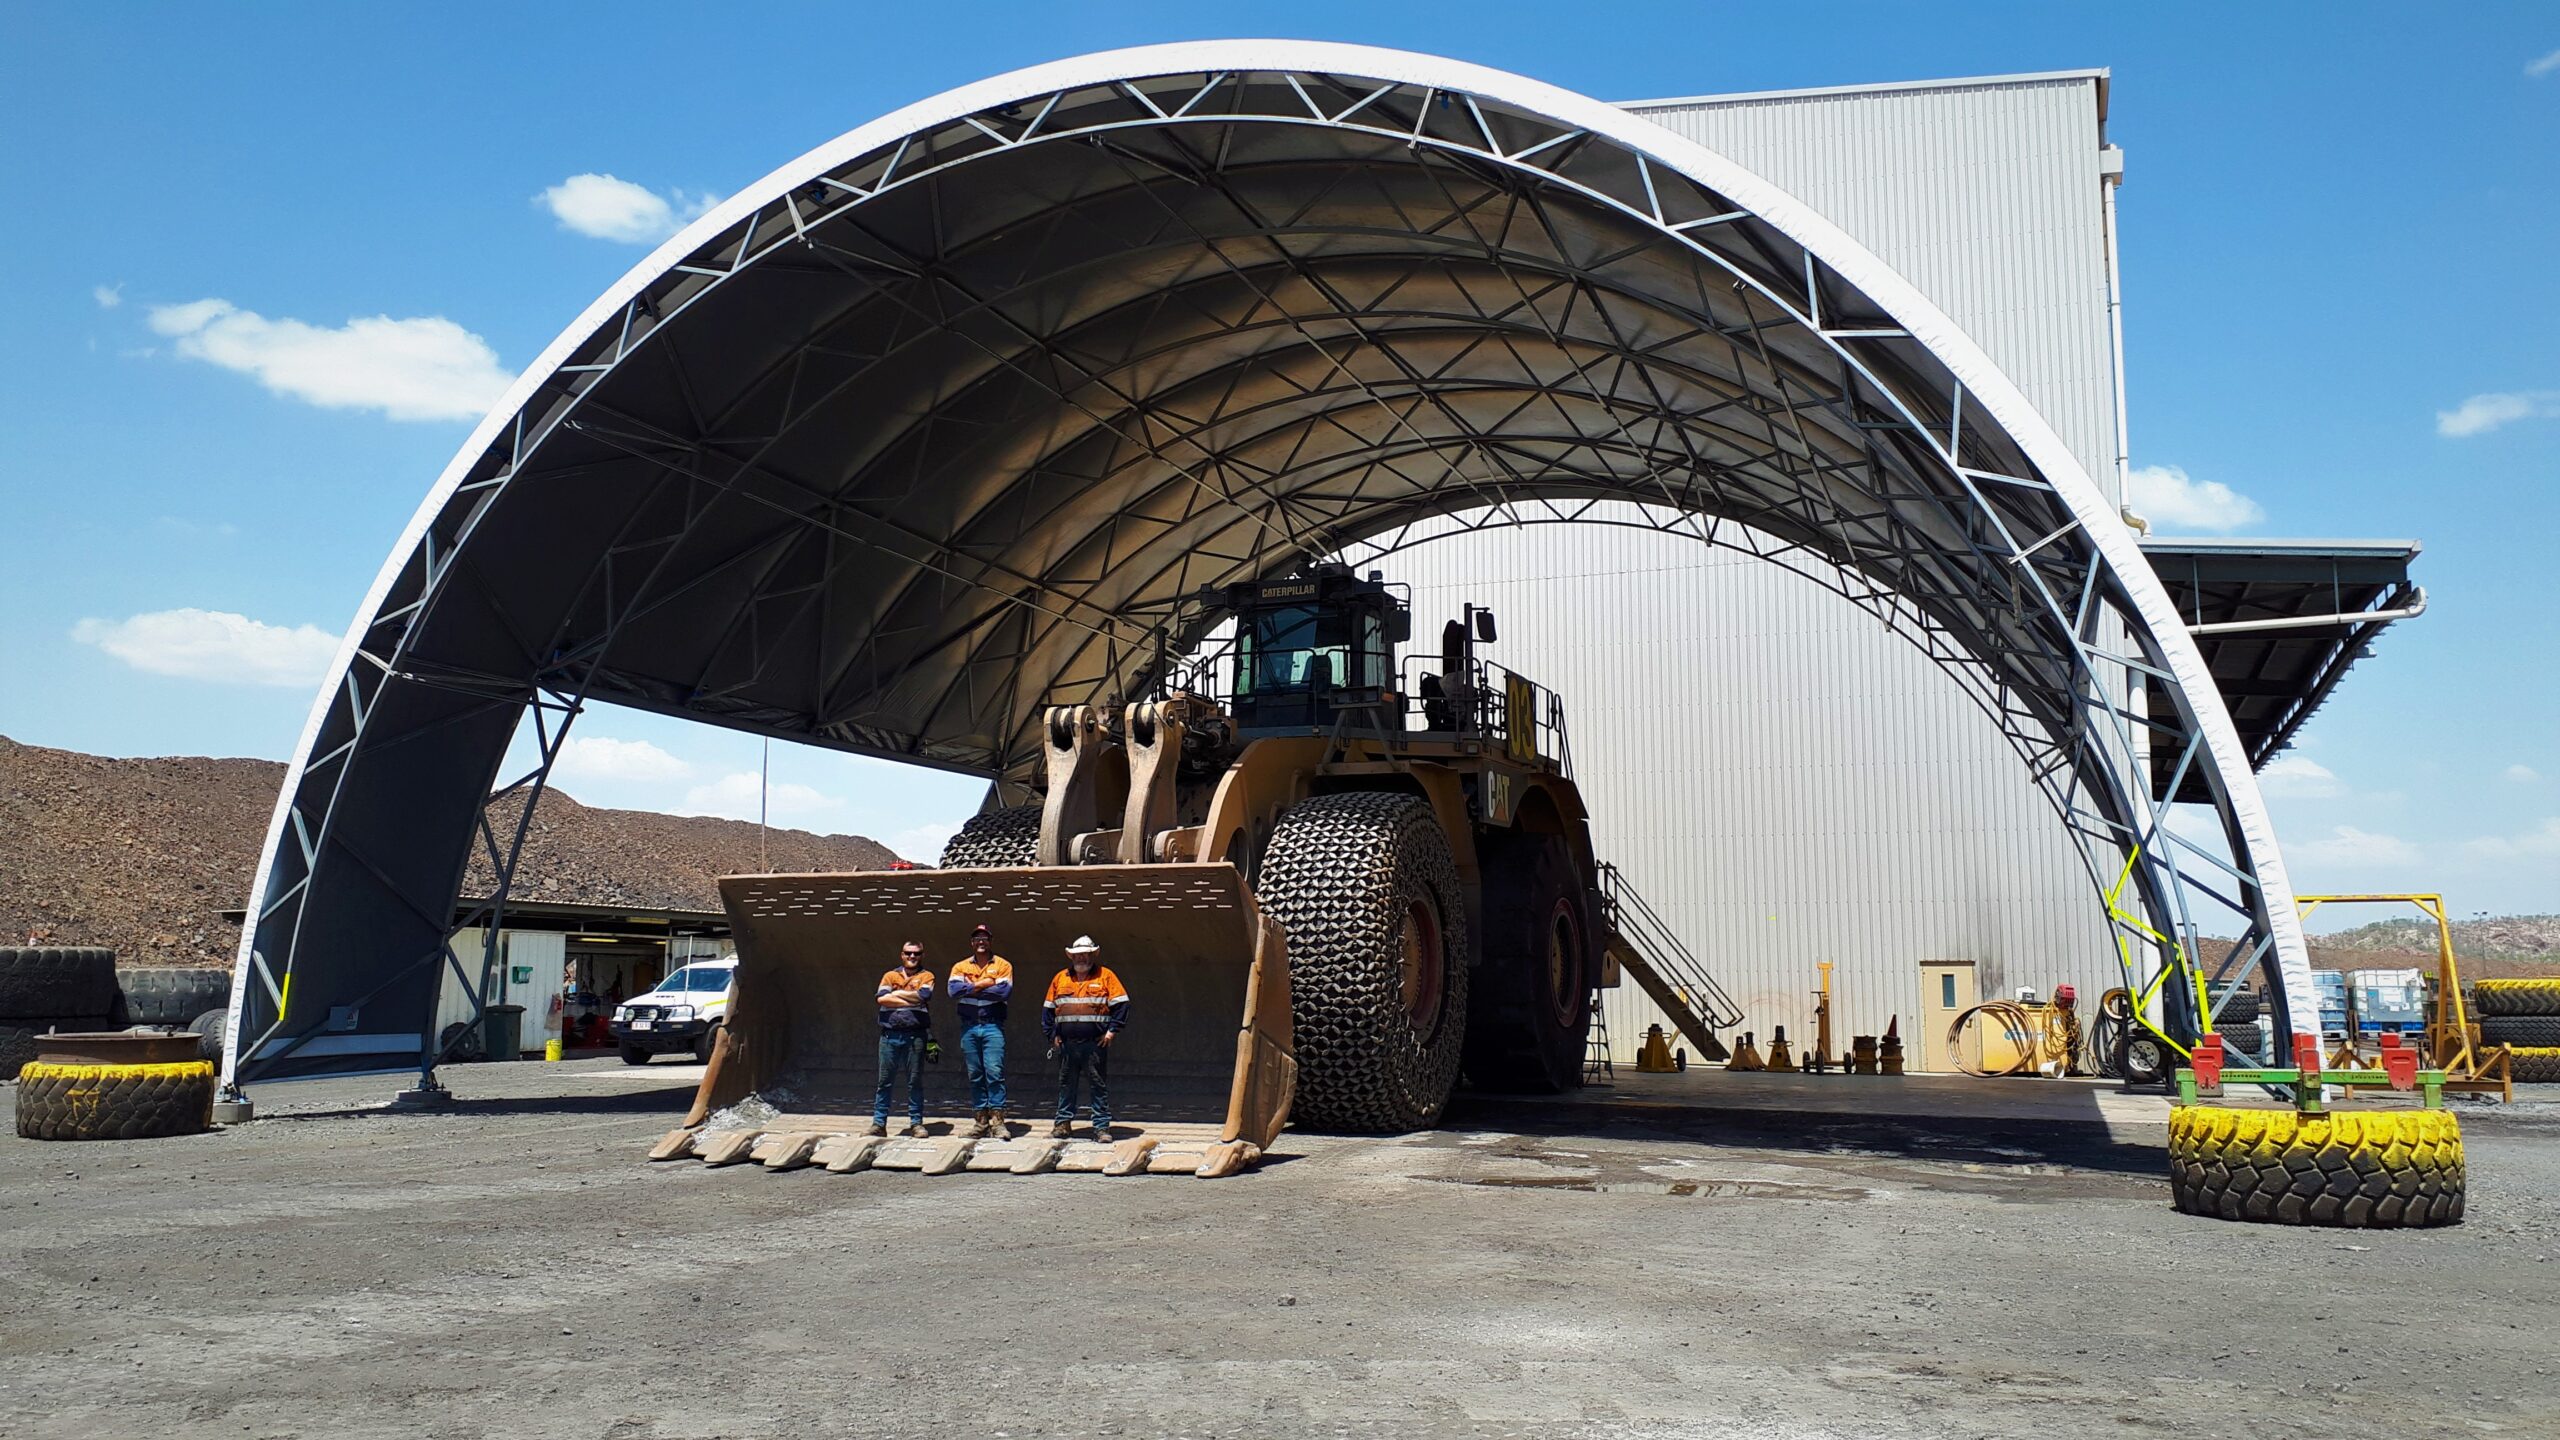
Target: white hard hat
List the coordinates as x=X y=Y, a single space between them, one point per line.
x=1084 y=946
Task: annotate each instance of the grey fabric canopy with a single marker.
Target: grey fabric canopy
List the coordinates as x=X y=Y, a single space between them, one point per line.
x=942 y=422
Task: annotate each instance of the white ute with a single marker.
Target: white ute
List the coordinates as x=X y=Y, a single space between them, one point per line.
x=684 y=1013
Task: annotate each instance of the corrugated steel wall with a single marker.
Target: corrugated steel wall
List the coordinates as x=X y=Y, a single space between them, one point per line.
x=1785 y=780
x=1984 y=195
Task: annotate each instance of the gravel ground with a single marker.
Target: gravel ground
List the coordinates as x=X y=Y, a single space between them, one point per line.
x=514 y=1268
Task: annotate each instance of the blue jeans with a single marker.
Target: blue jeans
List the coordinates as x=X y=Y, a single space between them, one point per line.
x=982 y=1050
x=901 y=1053
x=1075 y=1058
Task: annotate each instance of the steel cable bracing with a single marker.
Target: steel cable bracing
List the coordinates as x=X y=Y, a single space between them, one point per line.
x=943 y=422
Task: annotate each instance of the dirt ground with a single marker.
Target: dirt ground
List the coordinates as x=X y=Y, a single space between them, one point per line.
x=1650 y=1262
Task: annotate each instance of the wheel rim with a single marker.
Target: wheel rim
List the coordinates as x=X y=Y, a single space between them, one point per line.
x=1563 y=964
x=1419 y=968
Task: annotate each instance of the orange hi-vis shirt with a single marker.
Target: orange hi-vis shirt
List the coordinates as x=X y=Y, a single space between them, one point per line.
x=915 y=989
x=1082 y=1009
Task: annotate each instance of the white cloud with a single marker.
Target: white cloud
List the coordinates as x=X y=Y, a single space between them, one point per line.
x=2483 y=413
x=107 y=296
x=733 y=797
x=2347 y=847
x=2520 y=774
x=2544 y=66
x=2167 y=497
x=923 y=843
x=215 y=645
x=2298 y=777
x=2540 y=843
x=425 y=368
x=604 y=759
x=614 y=209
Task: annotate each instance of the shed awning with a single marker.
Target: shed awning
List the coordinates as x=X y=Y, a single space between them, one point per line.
x=2279 y=622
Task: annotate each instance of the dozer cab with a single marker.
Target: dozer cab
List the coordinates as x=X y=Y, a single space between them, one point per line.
x=1334 y=883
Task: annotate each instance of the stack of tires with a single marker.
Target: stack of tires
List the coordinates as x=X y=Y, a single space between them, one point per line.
x=2524 y=1016
x=196 y=998
x=52 y=987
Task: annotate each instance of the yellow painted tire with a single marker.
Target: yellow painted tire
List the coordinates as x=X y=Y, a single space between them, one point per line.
x=2533 y=1064
x=114 y=1102
x=2517 y=997
x=2376 y=1169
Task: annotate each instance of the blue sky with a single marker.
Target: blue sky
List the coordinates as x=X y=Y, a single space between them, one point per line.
x=266 y=257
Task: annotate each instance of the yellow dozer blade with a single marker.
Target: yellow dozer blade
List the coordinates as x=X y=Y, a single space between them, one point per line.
x=1201 y=1080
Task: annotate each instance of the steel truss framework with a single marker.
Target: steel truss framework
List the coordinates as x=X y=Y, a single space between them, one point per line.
x=941 y=423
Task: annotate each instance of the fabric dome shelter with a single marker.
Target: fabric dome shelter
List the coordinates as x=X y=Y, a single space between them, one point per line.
x=943 y=422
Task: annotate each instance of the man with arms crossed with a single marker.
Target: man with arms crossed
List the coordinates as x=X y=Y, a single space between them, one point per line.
x=981 y=985
x=906 y=1018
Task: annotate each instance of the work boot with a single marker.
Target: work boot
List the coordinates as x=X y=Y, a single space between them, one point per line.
x=877 y=1130
x=914 y=1132
x=978 y=1124
x=1101 y=1134
x=1061 y=1130
x=995 y=1122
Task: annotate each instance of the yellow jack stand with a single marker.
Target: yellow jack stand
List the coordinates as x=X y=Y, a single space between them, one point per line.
x=1656 y=1056
x=1780 y=1057
x=1746 y=1056
x=1820 y=1060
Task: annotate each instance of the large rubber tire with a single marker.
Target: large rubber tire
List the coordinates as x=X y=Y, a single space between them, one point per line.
x=2516 y=997
x=114 y=1102
x=2533 y=1064
x=21 y=1039
x=1349 y=877
x=995 y=839
x=2540 y=1031
x=214 y=1026
x=40 y=982
x=2239 y=1006
x=1529 y=1016
x=463 y=1042
x=2369 y=1171
x=173 y=995
x=2245 y=1042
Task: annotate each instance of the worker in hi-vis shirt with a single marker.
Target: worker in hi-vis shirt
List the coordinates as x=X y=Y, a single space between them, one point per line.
x=906 y=1022
x=981 y=986
x=1086 y=1006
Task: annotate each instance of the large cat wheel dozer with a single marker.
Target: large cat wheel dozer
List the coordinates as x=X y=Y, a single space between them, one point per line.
x=1330 y=892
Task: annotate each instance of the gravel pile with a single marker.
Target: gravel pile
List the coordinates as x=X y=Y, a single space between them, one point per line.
x=142 y=856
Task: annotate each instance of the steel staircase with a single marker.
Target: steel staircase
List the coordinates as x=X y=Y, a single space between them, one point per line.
x=1641 y=943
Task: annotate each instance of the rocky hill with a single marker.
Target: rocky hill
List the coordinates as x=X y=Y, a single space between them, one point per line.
x=2490 y=947
x=144 y=855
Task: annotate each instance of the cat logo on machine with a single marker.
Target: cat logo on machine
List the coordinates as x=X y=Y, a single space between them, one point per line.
x=1497 y=798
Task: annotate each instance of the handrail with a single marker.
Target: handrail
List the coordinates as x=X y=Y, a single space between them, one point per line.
x=1645 y=929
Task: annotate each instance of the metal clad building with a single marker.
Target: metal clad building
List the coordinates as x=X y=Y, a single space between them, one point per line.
x=1786 y=781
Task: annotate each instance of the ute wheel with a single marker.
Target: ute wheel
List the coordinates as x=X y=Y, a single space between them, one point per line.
x=2516 y=997
x=2377 y=1170
x=114 y=1102
x=1377 y=930
x=995 y=839
x=708 y=1041
x=2145 y=1059
x=1529 y=1017
x=634 y=1055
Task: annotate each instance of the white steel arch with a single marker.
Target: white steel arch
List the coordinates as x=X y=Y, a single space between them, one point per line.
x=947 y=418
